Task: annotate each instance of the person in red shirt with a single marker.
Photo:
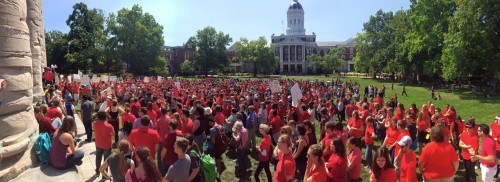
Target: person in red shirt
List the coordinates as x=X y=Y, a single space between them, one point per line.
x=391 y=136
x=423 y=126
x=168 y=156
x=337 y=163
x=103 y=132
x=488 y=155
x=187 y=123
x=264 y=153
x=355 y=126
x=127 y=116
x=329 y=136
x=48 y=75
x=438 y=160
x=44 y=123
x=407 y=160
x=369 y=139
x=219 y=116
x=276 y=125
x=76 y=92
x=354 y=160
x=469 y=142
x=495 y=133
x=315 y=169
x=151 y=113
x=53 y=111
x=402 y=132
x=144 y=136
x=285 y=169
x=400 y=112
x=162 y=125
x=383 y=170
x=349 y=109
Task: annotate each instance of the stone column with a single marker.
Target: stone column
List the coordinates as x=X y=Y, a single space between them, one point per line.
x=37 y=44
x=18 y=125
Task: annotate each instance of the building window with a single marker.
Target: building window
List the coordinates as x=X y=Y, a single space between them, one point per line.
x=343 y=56
x=351 y=50
x=350 y=57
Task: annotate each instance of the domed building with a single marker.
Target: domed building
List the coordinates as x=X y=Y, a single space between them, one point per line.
x=294 y=46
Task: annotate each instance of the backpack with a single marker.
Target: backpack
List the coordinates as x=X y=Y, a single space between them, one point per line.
x=221 y=140
x=42 y=147
x=193 y=152
x=208 y=169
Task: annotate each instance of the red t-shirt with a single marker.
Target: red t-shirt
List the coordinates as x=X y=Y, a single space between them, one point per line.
x=128 y=117
x=400 y=136
x=495 y=133
x=145 y=137
x=337 y=168
x=423 y=125
x=49 y=76
x=368 y=135
x=162 y=126
x=472 y=140
x=219 y=118
x=76 y=89
x=152 y=116
x=392 y=135
x=326 y=142
x=349 y=109
x=187 y=126
x=276 y=124
x=265 y=144
x=168 y=143
x=408 y=169
x=53 y=112
x=355 y=159
x=388 y=175
x=438 y=159
x=45 y=124
x=488 y=148
x=285 y=167
x=103 y=132
x=356 y=124
x=317 y=173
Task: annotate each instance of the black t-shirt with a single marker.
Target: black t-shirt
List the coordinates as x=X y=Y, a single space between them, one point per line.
x=195 y=163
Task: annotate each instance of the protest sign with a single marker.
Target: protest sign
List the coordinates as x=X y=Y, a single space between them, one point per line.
x=85 y=80
x=275 y=86
x=104 y=78
x=296 y=94
x=112 y=79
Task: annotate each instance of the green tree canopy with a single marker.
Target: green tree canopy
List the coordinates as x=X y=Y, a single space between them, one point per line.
x=136 y=40
x=328 y=63
x=86 y=38
x=210 y=49
x=257 y=52
x=56 y=45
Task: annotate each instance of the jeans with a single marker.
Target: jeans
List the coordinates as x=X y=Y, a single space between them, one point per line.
x=251 y=138
x=161 y=167
x=391 y=154
x=72 y=159
x=99 y=152
x=369 y=155
x=198 y=139
x=241 y=161
x=470 y=172
x=263 y=165
x=301 y=170
x=88 y=129
x=116 y=127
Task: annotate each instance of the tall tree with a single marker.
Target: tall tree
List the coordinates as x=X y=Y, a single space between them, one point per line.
x=399 y=63
x=136 y=40
x=429 y=20
x=330 y=62
x=56 y=44
x=210 y=49
x=470 y=42
x=257 y=52
x=374 y=45
x=86 y=38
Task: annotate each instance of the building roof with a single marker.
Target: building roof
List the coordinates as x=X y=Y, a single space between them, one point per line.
x=347 y=43
x=295 y=5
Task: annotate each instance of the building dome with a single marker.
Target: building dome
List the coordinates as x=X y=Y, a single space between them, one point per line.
x=295 y=5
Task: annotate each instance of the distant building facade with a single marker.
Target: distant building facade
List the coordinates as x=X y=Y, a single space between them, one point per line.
x=176 y=55
x=294 y=46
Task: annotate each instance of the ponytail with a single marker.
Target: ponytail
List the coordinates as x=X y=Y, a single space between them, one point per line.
x=122 y=169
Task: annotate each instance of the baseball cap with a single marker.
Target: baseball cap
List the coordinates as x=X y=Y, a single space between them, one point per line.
x=406 y=140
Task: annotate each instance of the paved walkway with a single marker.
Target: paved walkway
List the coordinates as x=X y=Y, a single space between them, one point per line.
x=85 y=172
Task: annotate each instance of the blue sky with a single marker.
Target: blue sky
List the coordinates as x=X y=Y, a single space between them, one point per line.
x=331 y=20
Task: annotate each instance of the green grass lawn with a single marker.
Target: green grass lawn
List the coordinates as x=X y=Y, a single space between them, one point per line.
x=484 y=110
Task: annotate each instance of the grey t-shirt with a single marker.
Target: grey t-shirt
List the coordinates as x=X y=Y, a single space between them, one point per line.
x=114 y=163
x=179 y=171
x=87 y=110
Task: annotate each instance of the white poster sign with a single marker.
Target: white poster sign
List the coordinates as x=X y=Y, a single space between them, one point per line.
x=146 y=79
x=85 y=80
x=296 y=94
x=275 y=86
x=112 y=79
x=76 y=77
x=104 y=78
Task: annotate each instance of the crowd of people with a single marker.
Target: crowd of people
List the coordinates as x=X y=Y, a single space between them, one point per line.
x=178 y=121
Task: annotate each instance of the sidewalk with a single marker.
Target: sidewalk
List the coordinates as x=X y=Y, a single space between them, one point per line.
x=85 y=172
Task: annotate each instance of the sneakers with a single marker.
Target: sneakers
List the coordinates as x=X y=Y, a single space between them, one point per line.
x=79 y=163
